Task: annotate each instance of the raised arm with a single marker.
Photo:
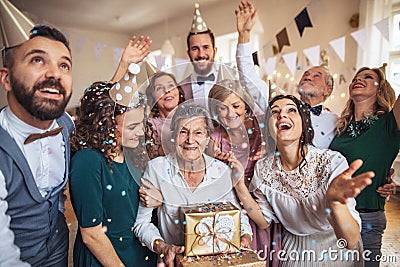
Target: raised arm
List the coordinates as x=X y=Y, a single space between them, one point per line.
x=249 y=204
x=246 y=16
x=341 y=189
x=134 y=52
x=396 y=111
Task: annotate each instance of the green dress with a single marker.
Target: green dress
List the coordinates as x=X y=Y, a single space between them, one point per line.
x=377 y=147
x=106 y=194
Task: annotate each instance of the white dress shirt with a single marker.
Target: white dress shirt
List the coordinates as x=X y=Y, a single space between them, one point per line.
x=164 y=174
x=200 y=92
x=45 y=156
x=248 y=75
x=324 y=127
x=9 y=253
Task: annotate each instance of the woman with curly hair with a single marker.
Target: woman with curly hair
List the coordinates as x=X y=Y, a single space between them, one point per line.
x=163 y=96
x=104 y=191
x=369 y=129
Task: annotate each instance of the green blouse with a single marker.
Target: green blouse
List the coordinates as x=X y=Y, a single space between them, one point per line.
x=106 y=194
x=377 y=147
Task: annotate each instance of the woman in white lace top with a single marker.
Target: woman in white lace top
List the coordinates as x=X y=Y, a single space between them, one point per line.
x=308 y=190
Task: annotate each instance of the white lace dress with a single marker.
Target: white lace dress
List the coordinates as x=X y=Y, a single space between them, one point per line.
x=296 y=199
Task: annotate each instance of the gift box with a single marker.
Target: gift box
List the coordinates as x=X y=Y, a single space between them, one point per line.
x=239 y=259
x=211 y=229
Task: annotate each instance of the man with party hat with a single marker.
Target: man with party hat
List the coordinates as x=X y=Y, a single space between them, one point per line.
x=34 y=149
x=201 y=51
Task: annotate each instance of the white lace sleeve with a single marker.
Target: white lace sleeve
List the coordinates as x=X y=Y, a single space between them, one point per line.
x=259 y=191
x=339 y=165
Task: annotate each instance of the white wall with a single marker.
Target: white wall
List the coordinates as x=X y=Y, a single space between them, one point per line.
x=330 y=20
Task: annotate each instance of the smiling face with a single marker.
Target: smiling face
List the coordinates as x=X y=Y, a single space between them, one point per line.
x=201 y=53
x=364 y=86
x=40 y=79
x=191 y=138
x=285 y=124
x=166 y=94
x=313 y=85
x=130 y=127
x=231 y=112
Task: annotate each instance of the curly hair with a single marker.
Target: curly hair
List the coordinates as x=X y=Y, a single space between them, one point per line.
x=307 y=133
x=385 y=100
x=96 y=123
x=151 y=101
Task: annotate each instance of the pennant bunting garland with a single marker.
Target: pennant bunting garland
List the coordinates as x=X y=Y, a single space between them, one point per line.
x=302 y=21
x=99 y=49
x=282 y=39
x=160 y=61
x=269 y=66
x=80 y=43
x=255 y=58
x=290 y=60
x=312 y=54
x=117 y=53
x=361 y=38
x=338 y=46
x=383 y=27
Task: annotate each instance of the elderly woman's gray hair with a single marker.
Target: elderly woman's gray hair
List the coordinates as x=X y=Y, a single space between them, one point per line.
x=189 y=109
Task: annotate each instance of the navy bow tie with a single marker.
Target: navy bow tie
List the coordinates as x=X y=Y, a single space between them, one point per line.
x=316 y=110
x=202 y=79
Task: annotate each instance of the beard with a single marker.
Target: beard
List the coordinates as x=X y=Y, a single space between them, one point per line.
x=202 y=71
x=41 y=108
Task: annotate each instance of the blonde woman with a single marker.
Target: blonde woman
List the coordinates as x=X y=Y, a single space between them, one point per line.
x=368 y=129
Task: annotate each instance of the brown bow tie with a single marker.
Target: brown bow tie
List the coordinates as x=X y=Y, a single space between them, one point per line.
x=34 y=137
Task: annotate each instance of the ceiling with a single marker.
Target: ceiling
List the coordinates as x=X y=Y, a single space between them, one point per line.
x=122 y=16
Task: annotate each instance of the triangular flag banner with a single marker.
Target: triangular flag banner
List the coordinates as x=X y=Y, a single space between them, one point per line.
x=383 y=27
x=361 y=38
x=80 y=43
x=160 y=61
x=282 y=39
x=302 y=21
x=117 y=54
x=312 y=54
x=338 y=46
x=255 y=58
x=270 y=66
x=290 y=60
x=99 y=49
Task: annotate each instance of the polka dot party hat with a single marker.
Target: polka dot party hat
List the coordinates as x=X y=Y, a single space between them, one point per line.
x=125 y=91
x=198 y=25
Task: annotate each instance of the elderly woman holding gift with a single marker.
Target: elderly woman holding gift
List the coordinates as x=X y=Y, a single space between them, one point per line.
x=309 y=190
x=187 y=177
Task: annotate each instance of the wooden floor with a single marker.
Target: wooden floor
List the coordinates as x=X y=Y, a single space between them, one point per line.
x=391 y=238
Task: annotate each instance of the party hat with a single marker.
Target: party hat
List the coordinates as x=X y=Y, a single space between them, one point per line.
x=150 y=68
x=198 y=24
x=225 y=72
x=125 y=91
x=15 y=26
